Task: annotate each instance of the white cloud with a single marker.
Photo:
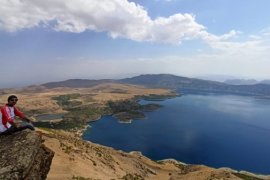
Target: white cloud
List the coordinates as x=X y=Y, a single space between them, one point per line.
x=119 y=18
x=124 y=19
x=211 y=38
x=255 y=37
x=247 y=58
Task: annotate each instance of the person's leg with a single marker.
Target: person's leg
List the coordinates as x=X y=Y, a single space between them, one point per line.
x=12 y=129
x=25 y=126
x=9 y=131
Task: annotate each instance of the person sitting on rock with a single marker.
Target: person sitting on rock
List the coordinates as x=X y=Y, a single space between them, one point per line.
x=7 y=115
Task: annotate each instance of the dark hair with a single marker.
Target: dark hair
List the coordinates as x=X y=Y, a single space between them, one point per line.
x=11 y=97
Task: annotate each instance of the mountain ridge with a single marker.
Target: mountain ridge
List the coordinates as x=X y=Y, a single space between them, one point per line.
x=169 y=81
x=246 y=82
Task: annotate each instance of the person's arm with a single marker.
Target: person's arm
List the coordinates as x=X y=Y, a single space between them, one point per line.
x=28 y=119
x=21 y=115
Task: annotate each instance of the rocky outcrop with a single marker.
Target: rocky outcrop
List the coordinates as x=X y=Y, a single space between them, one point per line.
x=23 y=156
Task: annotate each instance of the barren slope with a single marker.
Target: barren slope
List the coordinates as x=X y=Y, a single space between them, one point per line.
x=75 y=159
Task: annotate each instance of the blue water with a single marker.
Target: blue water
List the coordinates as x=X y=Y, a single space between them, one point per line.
x=215 y=130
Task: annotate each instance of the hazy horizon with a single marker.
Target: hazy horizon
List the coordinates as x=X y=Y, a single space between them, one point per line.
x=63 y=39
x=218 y=78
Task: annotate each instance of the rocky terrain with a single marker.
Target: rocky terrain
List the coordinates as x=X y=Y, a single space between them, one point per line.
x=24 y=156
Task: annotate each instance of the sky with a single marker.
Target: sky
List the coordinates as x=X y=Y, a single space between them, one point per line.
x=54 y=40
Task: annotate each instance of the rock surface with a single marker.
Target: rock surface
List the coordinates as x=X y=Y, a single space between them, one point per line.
x=23 y=156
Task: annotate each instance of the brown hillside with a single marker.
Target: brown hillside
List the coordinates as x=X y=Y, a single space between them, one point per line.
x=78 y=159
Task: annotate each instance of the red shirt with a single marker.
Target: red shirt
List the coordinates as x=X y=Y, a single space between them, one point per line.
x=8 y=115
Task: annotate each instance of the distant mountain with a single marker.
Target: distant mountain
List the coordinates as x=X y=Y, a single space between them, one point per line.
x=76 y=83
x=246 y=82
x=172 y=82
x=215 y=77
x=241 y=81
x=265 y=82
x=182 y=84
x=177 y=83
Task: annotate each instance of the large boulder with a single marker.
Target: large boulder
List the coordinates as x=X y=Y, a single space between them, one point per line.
x=23 y=156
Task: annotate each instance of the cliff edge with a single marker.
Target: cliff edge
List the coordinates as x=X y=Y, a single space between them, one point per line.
x=23 y=156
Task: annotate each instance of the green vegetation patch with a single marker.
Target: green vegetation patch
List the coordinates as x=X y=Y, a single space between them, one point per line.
x=150 y=107
x=68 y=100
x=127 y=116
x=34 y=112
x=119 y=91
x=88 y=97
x=81 y=178
x=123 y=106
x=156 y=97
x=127 y=110
x=77 y=114
x=76 y=118
x=65 y=125
x=85 y=113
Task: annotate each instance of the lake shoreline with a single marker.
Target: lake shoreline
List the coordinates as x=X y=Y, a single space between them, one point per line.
x=184 y=96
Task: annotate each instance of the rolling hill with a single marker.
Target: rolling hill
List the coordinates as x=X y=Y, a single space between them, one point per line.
x=177 y=83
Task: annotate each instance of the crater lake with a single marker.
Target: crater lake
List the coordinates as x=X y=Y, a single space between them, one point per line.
x=211 y=129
